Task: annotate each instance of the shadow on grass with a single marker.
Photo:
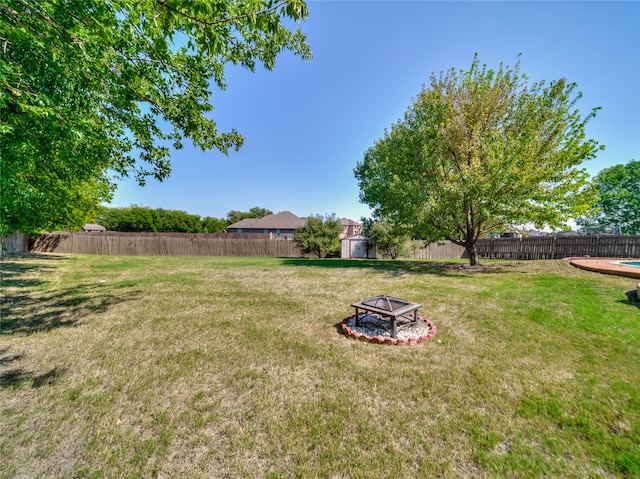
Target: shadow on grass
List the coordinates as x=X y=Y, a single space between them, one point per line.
x=400 y=267
x=632 y=299
x=34 y=311
x=17 y=377
x=12 y=269
x=338 y=328
x=9 y=359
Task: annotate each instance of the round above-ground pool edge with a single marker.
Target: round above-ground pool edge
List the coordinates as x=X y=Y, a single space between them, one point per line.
x=614 y=266
x=347 y=331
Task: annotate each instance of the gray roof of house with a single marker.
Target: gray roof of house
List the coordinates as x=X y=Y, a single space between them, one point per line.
x=285 y=220
x=93 y=227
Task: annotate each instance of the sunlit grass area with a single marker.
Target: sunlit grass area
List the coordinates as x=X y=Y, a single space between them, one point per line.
x=234 y=367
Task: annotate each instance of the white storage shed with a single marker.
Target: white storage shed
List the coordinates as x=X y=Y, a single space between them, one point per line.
x=358 y=246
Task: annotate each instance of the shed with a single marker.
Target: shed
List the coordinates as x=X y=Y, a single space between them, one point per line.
x=93 y=228
x=358 y=246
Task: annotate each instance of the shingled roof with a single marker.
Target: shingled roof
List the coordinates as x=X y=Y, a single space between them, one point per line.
x=285 y=220
x=348 y=222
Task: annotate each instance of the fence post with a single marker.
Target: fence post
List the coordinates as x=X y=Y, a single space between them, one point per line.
x=520 y=253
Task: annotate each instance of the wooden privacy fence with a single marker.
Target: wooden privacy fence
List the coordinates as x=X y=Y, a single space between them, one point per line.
x=552 y=247
x=172 y=235
x=14 y=244
x=545 y=247
x=440 y=250
x=182 y=244
x=159 y=245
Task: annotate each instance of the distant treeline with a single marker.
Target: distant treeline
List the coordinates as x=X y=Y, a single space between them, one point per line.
x=158 y=220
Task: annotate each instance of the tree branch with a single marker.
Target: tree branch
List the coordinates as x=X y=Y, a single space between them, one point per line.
x=52 y=23
x=208 y=23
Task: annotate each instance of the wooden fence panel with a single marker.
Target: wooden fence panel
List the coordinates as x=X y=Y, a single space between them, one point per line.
x=485 y=248
x=570 y=246
x=445 y=250
x=551 y=247
x=537 y=248
x=141 y=234
x=15 y=244
x=504 y=248
x=619 y=246
x=438 y=250
x=194 y=245
x=52 y=243
x=161 y=245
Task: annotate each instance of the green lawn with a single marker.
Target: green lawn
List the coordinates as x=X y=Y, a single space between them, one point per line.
x=234 y=367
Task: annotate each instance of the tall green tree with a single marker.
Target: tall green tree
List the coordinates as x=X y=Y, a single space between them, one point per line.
x=618 y=206
x=214 y=225
x=144 y=219
x=320 y=236
x=478 y=151
x=96 y=87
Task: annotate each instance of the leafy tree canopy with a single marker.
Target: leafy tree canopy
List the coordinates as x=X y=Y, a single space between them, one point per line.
x=143 y=219
x=214 y=225
x=391 y=239
x=481 y=150
x=618 y=205
x=98 y=86
x=234 y=216
x=320 y=236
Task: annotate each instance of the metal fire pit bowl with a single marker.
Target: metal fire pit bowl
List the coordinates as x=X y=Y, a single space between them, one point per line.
x=391 y=308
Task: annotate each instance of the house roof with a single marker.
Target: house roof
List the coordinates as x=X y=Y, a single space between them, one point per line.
x=284 y=220
x=348 y=222
x=93 y=227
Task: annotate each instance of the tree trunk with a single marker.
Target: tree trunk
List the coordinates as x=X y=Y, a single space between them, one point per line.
x=471 y=237
x=473 y=254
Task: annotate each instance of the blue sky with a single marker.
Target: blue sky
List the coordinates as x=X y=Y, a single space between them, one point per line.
x=307 y=123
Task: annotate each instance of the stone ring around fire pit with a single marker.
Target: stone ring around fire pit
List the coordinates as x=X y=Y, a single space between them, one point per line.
x=388 y=320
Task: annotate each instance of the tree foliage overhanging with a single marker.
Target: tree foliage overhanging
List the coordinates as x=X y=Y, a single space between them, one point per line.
x=478 y=151
x=89 y=88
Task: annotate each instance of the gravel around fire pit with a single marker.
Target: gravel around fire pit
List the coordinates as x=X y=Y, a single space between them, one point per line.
x=372 y=325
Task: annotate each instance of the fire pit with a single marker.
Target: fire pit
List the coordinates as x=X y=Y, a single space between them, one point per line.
x=394 y=309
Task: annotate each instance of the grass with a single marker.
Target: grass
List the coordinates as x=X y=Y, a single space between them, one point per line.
x=234 y=367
